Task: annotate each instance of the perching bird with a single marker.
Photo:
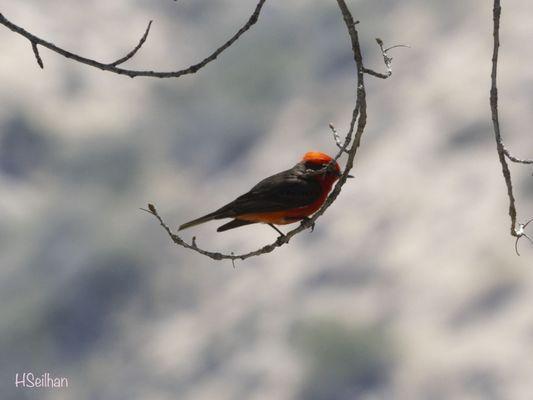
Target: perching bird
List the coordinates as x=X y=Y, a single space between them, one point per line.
x=280 y=199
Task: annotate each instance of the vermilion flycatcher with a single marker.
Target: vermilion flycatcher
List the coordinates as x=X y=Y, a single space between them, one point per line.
x=284 y=198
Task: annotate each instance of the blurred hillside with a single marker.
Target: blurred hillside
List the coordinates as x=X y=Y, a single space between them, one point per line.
x=409 y=287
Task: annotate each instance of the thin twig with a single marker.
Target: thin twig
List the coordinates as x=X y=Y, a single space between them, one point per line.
x=135 y=49
x=386 y=59
x=337 y=139
x=129 y=72
x=517 y=229
x=37 y=55
x=358 y=117
x=515 y=159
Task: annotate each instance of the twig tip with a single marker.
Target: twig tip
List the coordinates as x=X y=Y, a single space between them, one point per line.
x=37 y=55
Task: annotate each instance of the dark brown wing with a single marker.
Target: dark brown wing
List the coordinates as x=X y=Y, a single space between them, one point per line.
x=288 y=189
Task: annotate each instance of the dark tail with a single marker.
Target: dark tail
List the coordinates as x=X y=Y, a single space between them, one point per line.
x=199 y=221
x=223 y=212
x=234 y=224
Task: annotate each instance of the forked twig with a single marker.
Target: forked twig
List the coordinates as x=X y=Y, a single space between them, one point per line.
x=386 y=59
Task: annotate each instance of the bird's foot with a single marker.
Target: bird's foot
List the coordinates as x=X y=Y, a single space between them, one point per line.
x=307 y=222
x=281 y=240
x=282 y=235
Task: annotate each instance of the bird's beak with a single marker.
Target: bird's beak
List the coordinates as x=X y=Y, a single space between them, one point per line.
x=339 y=174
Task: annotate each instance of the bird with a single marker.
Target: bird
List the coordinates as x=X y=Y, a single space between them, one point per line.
x=284 y=198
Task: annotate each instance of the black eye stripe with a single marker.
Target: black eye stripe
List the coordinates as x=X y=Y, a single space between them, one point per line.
x=313 y=166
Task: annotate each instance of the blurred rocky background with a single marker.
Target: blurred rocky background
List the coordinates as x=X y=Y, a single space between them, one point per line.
x=409 y=287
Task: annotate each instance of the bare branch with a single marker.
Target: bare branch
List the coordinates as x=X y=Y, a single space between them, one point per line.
x=217 y=255
x=517 y=229
x=358 y=117
x=129 y=72
x=495 y=119
x=135 y=49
